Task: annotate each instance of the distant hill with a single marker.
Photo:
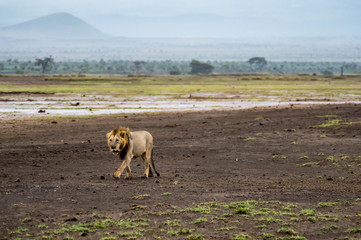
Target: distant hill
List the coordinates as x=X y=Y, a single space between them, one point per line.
x=55 y=26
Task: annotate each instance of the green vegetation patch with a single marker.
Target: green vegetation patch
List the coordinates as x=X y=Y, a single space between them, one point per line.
x=309 y=164
x=255 y=86
x=330 y=123
x=250 y=219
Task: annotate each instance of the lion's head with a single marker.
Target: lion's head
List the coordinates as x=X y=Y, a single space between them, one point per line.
x=118 y=140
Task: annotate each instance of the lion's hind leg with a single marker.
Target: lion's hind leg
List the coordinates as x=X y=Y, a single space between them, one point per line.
x=147 y=172
x=152 y=167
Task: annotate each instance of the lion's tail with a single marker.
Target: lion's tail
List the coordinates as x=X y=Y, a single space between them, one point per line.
x=152 y=163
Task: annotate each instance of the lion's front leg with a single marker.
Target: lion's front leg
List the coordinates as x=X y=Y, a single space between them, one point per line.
x=129 y=172
x=120 y=170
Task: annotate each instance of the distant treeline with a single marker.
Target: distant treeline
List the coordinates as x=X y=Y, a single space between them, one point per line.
x=253 y=65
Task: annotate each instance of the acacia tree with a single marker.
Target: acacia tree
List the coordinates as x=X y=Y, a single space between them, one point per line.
x=345 y=66
x=259 y=62
x=46 y=63
x=199 y=67
x=138 y=65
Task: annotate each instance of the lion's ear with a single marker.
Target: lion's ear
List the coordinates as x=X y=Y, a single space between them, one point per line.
x=109 y=134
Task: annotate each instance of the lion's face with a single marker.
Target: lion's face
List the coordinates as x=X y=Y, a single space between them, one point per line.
x=115 y=142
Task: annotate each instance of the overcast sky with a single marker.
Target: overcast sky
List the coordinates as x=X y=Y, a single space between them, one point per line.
x=341 y=13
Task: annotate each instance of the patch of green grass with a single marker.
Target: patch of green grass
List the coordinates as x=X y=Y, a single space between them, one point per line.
x=329 y=228
x=172 y=223
x=249 y=139
x=327 y=204
x=173 y=232
x=195 y=236
x=289 y=207
x=103 y=224
x=242 y=210
x=294 y=219
x=287 y=214
x=240 y=236
x=200 y=220
x=132 y=234
x=142 y=196
x=330 y=123
x=109 y=238
x=185 y=231
x=201 y=209
x=19 y=230
x=353 y=230
x=332 y=159
x=308 y=212
x=267 y=235
x=312 y=219
x=259 y=119
x=226 y=228
x=71 y=238
x=263 y=226
x=285 y=230
x=272 y=219
x=298 y=237
x=328 y=218
x=166 y=194
x=308 y=164
x=42 y=225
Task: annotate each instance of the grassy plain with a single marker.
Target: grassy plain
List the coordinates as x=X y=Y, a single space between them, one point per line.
x=255 y=85
x=282 y=180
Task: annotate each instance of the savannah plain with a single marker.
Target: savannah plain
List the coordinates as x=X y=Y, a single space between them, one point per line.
x=291 y=171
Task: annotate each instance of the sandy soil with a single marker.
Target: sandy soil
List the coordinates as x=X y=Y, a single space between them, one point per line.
x=60 y=170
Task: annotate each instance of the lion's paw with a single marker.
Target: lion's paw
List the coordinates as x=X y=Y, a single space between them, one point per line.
x=116 y=175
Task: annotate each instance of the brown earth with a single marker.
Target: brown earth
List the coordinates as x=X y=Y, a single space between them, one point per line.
x=60 y=170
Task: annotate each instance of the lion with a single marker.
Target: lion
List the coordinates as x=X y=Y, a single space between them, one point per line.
x=129 y=145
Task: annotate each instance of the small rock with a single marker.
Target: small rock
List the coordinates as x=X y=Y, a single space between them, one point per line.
x=73 y=219
x=75 y=104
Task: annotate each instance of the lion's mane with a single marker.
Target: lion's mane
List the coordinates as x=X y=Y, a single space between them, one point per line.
x=125 y=134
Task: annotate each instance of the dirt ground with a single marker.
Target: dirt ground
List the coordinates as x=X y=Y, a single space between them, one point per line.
x=60 y=170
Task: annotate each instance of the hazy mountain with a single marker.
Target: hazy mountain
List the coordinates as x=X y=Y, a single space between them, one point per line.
x=67 y=37
x=218 y=26
x=54 y=26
